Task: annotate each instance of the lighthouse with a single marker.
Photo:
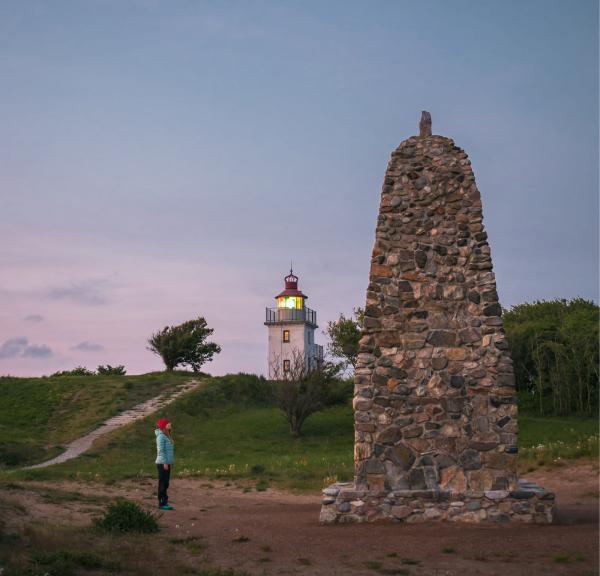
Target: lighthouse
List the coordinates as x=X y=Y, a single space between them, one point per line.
x=291 y=325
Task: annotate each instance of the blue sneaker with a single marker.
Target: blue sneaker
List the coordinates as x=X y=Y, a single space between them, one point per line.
x=166 y=507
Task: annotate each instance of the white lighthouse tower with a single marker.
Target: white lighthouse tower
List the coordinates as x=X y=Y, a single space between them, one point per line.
x=291 y=326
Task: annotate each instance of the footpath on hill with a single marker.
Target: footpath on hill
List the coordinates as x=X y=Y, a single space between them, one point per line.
x=80 y=445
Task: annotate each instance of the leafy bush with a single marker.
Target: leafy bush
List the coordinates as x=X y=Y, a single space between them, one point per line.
x=78 y=371
x=340 y=392
x=109 y=370
x=124 y=516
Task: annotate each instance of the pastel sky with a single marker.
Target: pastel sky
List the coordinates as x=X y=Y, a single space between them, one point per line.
x=161 y=160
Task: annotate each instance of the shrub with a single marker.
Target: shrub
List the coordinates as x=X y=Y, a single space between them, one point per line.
x=109 y=370
x=340 y=392
x=78 y=371
x=124 y=516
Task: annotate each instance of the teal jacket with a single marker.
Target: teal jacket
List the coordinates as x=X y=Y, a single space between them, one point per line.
x=164 y=448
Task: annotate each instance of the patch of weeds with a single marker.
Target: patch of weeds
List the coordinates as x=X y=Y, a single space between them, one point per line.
x=240 y=538
x=191 y=543
x=65 y=563
x=12 y=486
x=9 y=537
x=392 y=555
x=257 y=469
x=57 y=496
x=247 y=489
x=449 y=549
x=220 y=572
x=266 y=548
x=411 y=562
x=304 y=561
x=185 y=540
x=125 y=516
x=195 y=547
x=373 y=565
x=262 y=485
x=566 y=557
x=264 y=559
x=507 y=557
x=562 y=557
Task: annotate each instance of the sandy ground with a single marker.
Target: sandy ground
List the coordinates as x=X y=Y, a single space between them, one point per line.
x=278 y=533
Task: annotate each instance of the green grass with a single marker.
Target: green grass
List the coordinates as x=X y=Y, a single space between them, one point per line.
x=552 y=439
x=226 y=430
x=39 y=415
x=233 y=442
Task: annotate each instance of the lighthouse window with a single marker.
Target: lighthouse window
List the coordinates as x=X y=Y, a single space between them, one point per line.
x=290 y=302
x=286 y=365
x=286 y=335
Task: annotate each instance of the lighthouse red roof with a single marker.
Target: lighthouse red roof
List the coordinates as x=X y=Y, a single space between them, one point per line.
x=291 y=286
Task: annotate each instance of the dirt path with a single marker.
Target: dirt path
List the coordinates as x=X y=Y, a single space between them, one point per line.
x=79 y=446
x=277 y=533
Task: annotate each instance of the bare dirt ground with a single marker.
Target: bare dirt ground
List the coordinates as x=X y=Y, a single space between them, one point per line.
x=271 y=532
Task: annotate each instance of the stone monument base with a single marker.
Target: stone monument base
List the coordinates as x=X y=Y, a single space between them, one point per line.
x=344 y=503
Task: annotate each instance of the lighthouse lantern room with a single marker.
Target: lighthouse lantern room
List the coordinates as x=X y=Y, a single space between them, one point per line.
x=291 y=326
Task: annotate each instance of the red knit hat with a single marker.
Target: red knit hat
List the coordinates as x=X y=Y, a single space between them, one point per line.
x=162 y=423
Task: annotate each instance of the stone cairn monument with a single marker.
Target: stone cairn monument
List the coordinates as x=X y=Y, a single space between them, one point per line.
x=435 y=402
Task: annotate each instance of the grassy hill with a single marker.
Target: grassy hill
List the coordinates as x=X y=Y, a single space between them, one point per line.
x=39 y=415
x=227 y=429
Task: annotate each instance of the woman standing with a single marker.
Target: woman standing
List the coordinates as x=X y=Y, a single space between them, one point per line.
x=164 y=461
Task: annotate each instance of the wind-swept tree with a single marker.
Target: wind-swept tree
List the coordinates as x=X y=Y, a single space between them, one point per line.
x=184 y=344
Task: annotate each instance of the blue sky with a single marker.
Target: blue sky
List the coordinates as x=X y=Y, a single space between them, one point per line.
x=161 y=160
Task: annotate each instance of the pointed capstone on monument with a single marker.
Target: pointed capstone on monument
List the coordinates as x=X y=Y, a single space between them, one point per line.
x=425 y=124
x=434 y=397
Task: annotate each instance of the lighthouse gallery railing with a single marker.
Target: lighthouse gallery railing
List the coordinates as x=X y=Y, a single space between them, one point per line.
x=275 y=315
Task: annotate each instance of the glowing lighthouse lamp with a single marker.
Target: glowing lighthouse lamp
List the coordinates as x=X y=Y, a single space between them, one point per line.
x=291 y=327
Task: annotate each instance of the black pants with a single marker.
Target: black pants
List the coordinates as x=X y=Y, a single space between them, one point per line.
x=163 y=484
